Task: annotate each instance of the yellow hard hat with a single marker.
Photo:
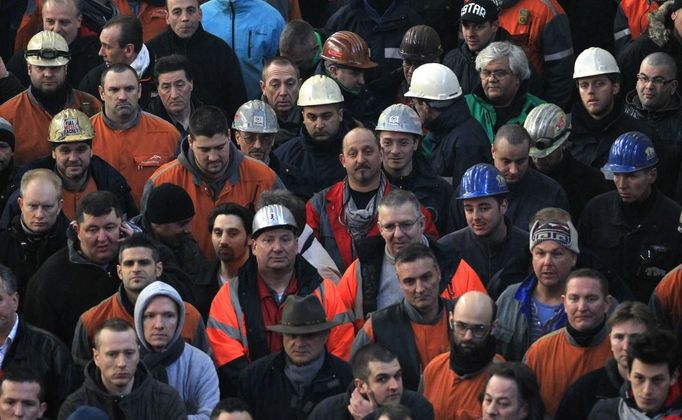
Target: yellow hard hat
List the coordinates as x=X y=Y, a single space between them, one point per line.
x=48 y=49
x=70 y=125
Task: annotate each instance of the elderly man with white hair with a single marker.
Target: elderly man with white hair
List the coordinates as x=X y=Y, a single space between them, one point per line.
x=502 y=98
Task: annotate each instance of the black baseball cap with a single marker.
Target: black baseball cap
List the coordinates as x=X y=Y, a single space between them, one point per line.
x=479 y=11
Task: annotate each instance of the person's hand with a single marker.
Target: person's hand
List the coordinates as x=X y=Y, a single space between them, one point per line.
x=361 y=405
x=125 y=232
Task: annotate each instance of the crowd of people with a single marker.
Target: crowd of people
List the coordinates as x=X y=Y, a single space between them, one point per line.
x=341 y=209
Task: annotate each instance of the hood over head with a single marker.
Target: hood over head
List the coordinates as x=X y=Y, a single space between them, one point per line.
x=157 y=288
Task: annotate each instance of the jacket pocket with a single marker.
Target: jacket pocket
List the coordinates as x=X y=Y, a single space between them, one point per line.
x=151 y=160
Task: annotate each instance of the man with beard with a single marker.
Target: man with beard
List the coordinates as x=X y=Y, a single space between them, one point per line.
x=346 y=212
x=494 y=247
x=31 y=111
x=230 y=227
x=310 y=161
x=70 y=137
x=121 y=125
x=453 y=380
x=280 y=86
x=563 y=356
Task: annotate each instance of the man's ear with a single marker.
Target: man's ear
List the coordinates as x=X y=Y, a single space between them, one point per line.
x=159 y=269
x=100 y=89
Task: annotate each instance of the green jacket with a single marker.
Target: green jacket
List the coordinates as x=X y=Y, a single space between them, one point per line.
x=484 y=112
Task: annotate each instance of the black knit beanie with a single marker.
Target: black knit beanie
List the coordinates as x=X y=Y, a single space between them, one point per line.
x=168 y=203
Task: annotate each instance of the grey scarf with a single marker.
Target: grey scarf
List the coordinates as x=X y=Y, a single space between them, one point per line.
x=360 y=221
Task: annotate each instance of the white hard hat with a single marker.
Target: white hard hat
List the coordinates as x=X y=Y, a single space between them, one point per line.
x=400 y=118
x=319 y=90
x=48 y=49
x=434 y=81
x=593 y=62
x=255 y=117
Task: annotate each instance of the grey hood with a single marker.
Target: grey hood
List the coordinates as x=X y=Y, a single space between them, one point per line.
x=158 y=288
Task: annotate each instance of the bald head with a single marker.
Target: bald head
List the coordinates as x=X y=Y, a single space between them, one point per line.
x=359 y=134
x=361 y=158
x=660 y=59
x=474 y=308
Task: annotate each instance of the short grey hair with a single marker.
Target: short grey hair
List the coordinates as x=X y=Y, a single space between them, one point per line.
x=518 y=62
x=9 y=280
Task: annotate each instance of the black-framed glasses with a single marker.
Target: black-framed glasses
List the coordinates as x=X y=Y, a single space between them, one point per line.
x=657 y=81
x=478 y=331
x=404 y=226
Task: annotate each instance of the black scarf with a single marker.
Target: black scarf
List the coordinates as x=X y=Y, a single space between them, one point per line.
x=157 y=361
x=584 y=338
x=54 y=101
x=468 y=363
x=636 y=212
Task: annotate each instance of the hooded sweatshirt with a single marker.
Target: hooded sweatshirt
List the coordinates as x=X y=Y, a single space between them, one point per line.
x=192 y=373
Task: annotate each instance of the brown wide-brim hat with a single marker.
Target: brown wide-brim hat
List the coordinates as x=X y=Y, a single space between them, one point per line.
x=303 y=315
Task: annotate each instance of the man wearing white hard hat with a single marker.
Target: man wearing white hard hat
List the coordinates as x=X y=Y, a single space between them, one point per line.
x=310 y=161
x=255 y=125
x=598 y=118
x=31 y=111
x=244 y=307
x=456 y=141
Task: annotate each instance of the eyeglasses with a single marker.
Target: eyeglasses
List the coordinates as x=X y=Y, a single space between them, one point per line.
x=404 y=226
x=47 y=54
x=264 y=139
x=657 y=81
x=478 y=331
x=497 y=74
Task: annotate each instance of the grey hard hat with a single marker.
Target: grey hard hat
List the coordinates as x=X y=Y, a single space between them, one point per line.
x=400 y=118
x=273 y=216
x=255 y=117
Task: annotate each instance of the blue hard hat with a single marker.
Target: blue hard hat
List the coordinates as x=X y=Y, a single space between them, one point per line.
x=631 y=152
x=482 y=180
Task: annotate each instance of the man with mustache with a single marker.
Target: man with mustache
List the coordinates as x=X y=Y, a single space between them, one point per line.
x=345 y=213
x=310 y=161
x=255 y=125
x=230 y=227
x=122 y=125
x=452 y=381
x=116 y=381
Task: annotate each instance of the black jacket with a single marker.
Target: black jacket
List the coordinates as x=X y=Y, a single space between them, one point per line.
x=336 y=407
x=25 y=253
x=591 y=140
x=47 y=356
x=149 y=399
x=308 y=166
x=84 y=57
x=106 y=178
x=7 y=181
x=64 y=287
x=271 y=394
x=497 y=265
x=639 y=251
x=214 y=66
x=206 y=286
x=10 y=87
x=459 y=141
x=582 y=396
x=432 y=191
x=90 y=82
x=581 y=182
x=462 y=61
